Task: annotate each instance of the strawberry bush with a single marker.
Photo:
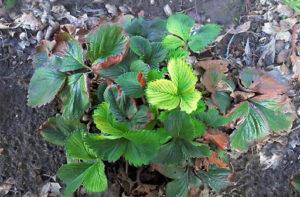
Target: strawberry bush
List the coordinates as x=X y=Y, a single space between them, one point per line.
x=128 y=94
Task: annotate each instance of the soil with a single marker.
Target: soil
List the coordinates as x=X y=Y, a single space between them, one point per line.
x=31 y=162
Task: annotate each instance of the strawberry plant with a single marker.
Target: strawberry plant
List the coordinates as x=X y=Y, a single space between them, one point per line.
x=128 y=94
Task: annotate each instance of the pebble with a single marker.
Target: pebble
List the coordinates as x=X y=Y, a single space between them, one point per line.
x=298 y=111
x=111 y=9
x=167 y=10
x=23 y=36
x=39 y=35
x=152 y=2
x=282 y=56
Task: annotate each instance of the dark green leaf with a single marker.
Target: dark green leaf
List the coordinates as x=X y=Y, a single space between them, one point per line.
x=99 y=93
x=140 y=46
x=57 y=129
x=72 y=58
x=222 y=100
x=141 y=118
x=115 y=71
x=75 y=96
x=9 y=4
x=130 y=85
x=158 y=54
x=44 y=85
x=139 y=66
x=216 y=178
x=179 y=124
x=108 y=41
x=296 y=182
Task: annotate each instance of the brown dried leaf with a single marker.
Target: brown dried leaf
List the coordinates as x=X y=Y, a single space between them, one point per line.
x=214 y=159
x=6 y=186
x=242 y=96
x=241 y=28
x=141 y=79
x=296 y=66
x=218 y=65
x=219 y=138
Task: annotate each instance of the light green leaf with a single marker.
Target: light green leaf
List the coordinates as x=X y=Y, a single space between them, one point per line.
x=72 y=57
x=76 y=147
x=105 y=121
x=95 y=179
x=182 y=75
x=207 y=34
x=107 y=41
x=130 y=85
x=57 y=129
x=173 y=42
x=44 y=85
x=154 y=74
x=92 y=176
x=140 y=46
x=189 y=101
x=180 y=25
x=75 y=96
x=163 y=94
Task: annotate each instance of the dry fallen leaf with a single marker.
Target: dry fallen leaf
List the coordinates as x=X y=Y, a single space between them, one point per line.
x=6 y=186
x=214 y=159
x=219 y=65
x=296 y=66
x=29 y=21
x=219 y=138
x=241 y=28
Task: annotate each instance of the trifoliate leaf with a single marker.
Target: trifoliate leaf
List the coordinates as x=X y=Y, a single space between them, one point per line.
x=130 y=85
x=106 y=46
x=106 y=122
x=262 y=118
x=207 y=34
x=179 y=150
x=180 y=25
x=173 y=42
x=91 y=176
x=77 y=148
x=75 y=96
x=44 y=85
x=57 y=129
x=216 y=178
x=71 y=58
x=141 y=47
x=163 y=94
x=166 y=94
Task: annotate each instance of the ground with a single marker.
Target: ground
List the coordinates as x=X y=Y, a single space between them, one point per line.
x=27 y=163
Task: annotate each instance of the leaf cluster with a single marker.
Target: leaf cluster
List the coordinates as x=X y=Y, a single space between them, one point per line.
x=133 y=80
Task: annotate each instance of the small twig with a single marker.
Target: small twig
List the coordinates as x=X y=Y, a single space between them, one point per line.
x=138 y=175
x=229 y=45
x=5 y=58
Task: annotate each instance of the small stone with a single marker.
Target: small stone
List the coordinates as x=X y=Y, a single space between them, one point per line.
x=111 y=9
x=282 y=56
x=285 y=36
x=23 y=36
x=39 y=36
x=298 y=111
x=152 y=2
x=167 y=10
